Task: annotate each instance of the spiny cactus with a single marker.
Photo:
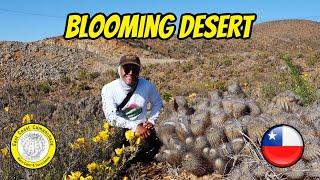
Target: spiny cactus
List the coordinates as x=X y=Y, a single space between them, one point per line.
x=237 y=145
x=200 y=143
x=311 y=149
x=297 y=171
x=313 y=169
x=196 y=164
x=218 y=118
x=215 y=136
x=226 y=129
x=233 y=129
x=183 y=130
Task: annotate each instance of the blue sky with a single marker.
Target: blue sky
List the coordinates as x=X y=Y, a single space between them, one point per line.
x=33 y=20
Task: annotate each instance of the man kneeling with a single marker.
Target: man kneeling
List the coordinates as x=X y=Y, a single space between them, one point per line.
x=124 y=103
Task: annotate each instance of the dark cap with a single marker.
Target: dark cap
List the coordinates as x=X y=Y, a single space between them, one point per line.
x=129 y=59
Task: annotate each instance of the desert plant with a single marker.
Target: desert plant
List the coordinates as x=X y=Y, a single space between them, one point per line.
x=302 y=87
x=44 y=87
x=65 y=79
x=166 y=96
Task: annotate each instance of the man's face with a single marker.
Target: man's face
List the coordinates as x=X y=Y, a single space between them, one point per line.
x=130 y=73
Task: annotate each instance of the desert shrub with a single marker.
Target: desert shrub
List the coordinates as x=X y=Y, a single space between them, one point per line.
x=301 y=87
x=220 y=85
x=83 y=86
x=311 y=61
x=187 y=66
x=300 y=55
x=65 y=79
x=110 y=74
x=226 y=62
x=273 y=84
x=166 y=96
x=269 y=90
x=83 y=74
x=94 y=75
x=44 y=87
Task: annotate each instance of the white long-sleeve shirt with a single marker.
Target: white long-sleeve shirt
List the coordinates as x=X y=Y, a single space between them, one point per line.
x=113 y=94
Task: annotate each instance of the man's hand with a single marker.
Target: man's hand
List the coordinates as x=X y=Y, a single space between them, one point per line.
x=148 y=125
x=143 y=131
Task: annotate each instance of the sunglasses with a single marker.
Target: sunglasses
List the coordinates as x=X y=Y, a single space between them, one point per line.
x=129 y=67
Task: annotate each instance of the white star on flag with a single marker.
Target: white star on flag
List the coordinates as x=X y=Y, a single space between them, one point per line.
x=272 y=135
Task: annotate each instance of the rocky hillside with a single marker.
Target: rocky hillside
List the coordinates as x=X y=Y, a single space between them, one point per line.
x=60 y=81
x=49 y=58
x=205 y=64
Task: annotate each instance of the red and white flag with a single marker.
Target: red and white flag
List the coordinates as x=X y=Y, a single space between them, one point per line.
x=282 y=146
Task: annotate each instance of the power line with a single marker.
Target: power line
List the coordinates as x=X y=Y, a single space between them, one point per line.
x=30 y=13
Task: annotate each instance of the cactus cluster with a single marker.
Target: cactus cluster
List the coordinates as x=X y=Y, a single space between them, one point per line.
x=221 y=133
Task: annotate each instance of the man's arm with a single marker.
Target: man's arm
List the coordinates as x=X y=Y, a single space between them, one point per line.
x=156 y=104
x=109 y=108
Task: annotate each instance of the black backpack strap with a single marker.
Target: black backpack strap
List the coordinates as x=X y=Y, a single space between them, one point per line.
x=126 y=99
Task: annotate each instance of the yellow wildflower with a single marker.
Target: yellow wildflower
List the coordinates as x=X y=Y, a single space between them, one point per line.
x=92 y=166
x=96 y=139
x=125 y=178
x=4 y=151
x=115 y=160
x=89 y=178
x=86 y=178
x=75 y=175
x=129 y=135
x=27 y=118
x=106 y=126
x=104 y=135
x=138 y=141
x=119 y=151
x=80 y=140
x=6 y=109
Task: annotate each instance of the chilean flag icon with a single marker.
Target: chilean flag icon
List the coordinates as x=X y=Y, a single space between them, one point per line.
x=282 y=145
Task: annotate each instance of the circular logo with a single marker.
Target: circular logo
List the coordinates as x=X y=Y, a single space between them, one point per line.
x=282 y=145
x=33 y=146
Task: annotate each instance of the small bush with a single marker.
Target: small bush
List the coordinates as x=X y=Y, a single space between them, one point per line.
x=311 y=61
x=166 y=96
x=83 y=74
x=302 y=88
x=94 y=75
x=227 y=62
x=65 y=79
x=220 y=85
x=84 y=86
x=44 y=87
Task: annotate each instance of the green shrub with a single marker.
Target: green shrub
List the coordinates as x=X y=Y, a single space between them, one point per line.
x=44 y=87
x=227 y=62
x=94 y=75
x=82 y=74
x=65 y=79
x=301 y=87
x=84 y=86
x=311 y=61
x=166 y=96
